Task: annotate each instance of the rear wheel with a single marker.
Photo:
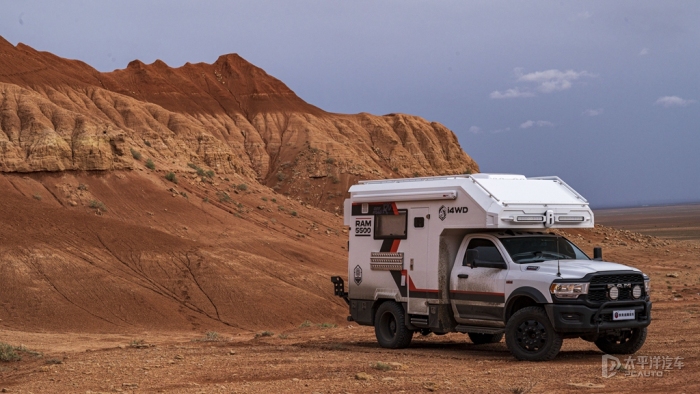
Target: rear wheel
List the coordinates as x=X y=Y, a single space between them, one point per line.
x=531 y=337
x=622 y=342
x=480 y=339
x=390 y=327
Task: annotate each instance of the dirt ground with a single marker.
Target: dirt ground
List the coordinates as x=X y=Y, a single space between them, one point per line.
x=304 y=349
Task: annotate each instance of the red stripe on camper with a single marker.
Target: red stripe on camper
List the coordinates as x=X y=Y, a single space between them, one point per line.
x=395 y=245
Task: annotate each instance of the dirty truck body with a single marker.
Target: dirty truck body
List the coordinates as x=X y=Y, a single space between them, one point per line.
x=476 y=254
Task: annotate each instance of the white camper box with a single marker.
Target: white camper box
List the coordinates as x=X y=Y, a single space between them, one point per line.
x=408 y=245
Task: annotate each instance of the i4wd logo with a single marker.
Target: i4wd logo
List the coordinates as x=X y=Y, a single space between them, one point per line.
x=442 y=213
x=358 y=275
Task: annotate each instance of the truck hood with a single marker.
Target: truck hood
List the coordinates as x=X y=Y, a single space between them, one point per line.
x=575 y=269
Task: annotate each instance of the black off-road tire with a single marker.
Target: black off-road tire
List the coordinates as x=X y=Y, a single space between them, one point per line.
x=530 y=335
x=481 y=339
x=627 y=342
x=390 y=327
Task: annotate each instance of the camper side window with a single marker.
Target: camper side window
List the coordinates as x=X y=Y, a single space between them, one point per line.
x=391 y=226
x=487 y=251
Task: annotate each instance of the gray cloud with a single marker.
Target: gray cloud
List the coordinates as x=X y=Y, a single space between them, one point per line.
x=673 y=101
x=510 y=93
x=539 y=123
x=593 y=112
x=549 y=81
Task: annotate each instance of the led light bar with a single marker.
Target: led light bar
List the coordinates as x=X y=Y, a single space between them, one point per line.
x=530 y=218
x=570 y=219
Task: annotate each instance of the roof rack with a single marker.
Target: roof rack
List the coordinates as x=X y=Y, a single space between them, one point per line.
x=419 y=179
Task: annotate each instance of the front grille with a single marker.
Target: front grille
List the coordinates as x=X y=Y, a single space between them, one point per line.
x=598 y=290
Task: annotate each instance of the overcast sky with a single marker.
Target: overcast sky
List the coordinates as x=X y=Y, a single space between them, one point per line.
x=604 y=94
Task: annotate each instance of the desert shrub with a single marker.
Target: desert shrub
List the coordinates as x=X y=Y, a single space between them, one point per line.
x=274 y=200
x=327 y=325
x=223 y=197
x=99 y=205
x=138 y=344
x=335 y=179
x=306 y=323
x=265 y=334
x=264 y=198
x=135 y=154
x=171 y=177
x=330 y=160
x=294 y=213
x=8 y=353
x=209 y=173
x=150 y=164
x=281 y=176
x=211 y=336
x=242 y=187
x=148 y=144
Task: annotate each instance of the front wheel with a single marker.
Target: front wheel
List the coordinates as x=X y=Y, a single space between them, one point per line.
x=622 y=342
x=531 y=337
x=390 y=327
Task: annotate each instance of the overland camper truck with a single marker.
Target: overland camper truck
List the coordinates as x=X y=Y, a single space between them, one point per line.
x=474 y=254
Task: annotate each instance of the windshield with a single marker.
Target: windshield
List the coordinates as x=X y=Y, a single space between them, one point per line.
x=536 y=249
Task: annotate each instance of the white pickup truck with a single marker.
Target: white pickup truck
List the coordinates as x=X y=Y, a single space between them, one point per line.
x=474 y=254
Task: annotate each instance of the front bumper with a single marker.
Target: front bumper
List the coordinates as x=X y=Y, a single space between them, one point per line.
x=577 y=318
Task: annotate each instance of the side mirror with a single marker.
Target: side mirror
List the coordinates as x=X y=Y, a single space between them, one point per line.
x=598 y=253
x=471 y=257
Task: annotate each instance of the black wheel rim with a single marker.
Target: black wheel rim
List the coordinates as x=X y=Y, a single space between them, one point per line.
x=389 y=325
x=531 y=335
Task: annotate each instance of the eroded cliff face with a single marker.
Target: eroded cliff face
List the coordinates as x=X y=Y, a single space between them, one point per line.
x=229 y=117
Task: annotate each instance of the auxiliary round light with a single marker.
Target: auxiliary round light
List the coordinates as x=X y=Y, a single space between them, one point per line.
x=637 y=291
x=613 y=293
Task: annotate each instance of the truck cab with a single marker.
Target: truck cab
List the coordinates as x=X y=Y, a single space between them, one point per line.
x=478 y=254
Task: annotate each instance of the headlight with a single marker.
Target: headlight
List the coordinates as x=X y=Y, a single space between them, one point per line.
x=647 y=287
x=568 y=290
x=637 y=291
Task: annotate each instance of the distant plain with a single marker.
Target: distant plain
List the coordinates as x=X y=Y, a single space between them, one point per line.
x=676 y=222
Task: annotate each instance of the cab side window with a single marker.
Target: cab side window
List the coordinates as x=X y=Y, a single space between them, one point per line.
x=487 y=251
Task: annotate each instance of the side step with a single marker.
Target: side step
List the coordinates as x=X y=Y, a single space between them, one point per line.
x=421 y=322
x=479 y=330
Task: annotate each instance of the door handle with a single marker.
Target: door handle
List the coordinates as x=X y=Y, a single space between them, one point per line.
x=463 y=276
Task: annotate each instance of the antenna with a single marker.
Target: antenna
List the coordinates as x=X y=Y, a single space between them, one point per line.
x=558 y=271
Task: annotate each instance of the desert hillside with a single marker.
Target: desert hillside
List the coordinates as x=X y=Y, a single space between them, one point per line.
x=204 y=197
x=229 y=117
